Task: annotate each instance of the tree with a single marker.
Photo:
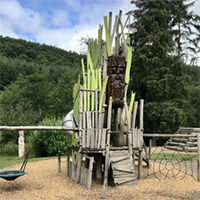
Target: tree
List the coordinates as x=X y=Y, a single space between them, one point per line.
x=185 y=30
x=157 y=75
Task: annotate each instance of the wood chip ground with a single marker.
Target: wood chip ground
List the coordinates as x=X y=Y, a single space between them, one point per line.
x=43 y=181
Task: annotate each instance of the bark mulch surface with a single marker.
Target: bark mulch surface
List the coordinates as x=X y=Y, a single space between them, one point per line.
x=43 y=181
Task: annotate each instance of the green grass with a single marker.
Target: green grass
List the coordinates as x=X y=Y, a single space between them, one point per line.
x=6 y=161
x=171 y=156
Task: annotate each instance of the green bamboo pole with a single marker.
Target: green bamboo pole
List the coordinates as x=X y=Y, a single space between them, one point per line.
x=83 y=70
x=102 y=94
x=128 y=65
x=99 y=78
x=85 y=97
x=100 y=41
x=107 y=36
x=131 y=103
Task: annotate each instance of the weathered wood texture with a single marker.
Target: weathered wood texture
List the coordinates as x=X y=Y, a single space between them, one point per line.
x=34 y=128
x=123 y=168
x=184 y=143
x=86 y=174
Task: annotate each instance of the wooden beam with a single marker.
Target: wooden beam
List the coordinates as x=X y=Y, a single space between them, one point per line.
x=34 y=128
x=167 y=135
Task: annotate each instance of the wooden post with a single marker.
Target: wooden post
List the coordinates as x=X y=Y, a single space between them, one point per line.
x=67 y=166
x=80 y=156
x=89 y=184
x=141 y=114
x=140 y=170
x=134 y=114
x=198 y=144
x=106 y=166
x=21 y=144
x=59 y=163
x=150 y=145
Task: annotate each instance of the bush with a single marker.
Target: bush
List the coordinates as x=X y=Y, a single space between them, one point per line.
x=9 y=149
x=51 y=143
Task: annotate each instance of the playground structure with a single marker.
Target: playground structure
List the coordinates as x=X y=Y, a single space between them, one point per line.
x=98 y=101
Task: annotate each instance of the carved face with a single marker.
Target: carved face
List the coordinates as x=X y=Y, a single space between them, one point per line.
x=116 y=81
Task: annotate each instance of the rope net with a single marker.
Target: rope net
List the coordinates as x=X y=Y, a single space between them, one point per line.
x=168 y=164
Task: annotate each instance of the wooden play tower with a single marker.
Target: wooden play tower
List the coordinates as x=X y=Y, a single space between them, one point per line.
x=107 y=136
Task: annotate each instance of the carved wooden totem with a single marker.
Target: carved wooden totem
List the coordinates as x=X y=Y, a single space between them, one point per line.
x=116 y=81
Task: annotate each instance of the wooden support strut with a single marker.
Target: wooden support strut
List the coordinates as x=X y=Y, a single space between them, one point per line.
x=105 y=181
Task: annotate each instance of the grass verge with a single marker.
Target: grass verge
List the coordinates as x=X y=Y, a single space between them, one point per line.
x=172 y=156
x=6 y=161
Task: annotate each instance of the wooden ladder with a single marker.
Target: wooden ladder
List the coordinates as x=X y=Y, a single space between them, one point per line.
x=123 y=169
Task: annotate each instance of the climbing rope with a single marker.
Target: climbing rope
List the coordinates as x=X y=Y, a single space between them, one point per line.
x=173 y=165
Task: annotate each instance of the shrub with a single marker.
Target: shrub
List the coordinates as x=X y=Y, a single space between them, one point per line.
x=51 y=143
x=9 y=149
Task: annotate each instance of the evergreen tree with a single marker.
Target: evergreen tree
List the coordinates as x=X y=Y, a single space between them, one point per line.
x=157 y=75
x=185 y=29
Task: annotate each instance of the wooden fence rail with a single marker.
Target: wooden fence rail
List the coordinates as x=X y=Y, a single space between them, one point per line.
x=35 y=128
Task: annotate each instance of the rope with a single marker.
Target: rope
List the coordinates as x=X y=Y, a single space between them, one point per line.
x=27 y=156
x=171 y=166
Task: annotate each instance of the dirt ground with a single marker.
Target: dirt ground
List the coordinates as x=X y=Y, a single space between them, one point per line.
x=43 y=181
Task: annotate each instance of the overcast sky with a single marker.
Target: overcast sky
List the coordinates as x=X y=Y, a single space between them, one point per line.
x=59 y=23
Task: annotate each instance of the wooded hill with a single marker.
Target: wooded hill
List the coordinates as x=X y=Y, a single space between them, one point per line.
x=36 y=81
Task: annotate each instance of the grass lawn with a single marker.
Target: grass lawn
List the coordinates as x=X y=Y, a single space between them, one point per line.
x=6 y=161
x=172 y=156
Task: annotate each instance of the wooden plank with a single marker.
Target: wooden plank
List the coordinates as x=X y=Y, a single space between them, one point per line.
x=80 y=156
x=92 y=130
x=103 y=142
x=179 y=139
x=126 y=169
x=89 y=178
x=140 y=167
x=105 y=181
x=118 y=153
x=174 y=148
x=121 y=181
x=84 y=175
x=88 y=132
x=141 y=113
x=135 y=138
x=118 y=159
x=70 y=170
x=96 y=119
x=121 y=163
x=83 y=131
x=114 y=28
x=100 y=130
x=176 y=143
x=134 y=114
x=191 y=148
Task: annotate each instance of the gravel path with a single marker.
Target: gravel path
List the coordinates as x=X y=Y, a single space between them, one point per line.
x=43 y=181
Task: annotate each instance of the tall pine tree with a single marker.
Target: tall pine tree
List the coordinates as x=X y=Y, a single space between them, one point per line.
x=158 y=76
x=185 y=30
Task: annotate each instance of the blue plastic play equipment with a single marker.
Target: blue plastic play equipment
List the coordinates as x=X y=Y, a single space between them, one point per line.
x=11 y=175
